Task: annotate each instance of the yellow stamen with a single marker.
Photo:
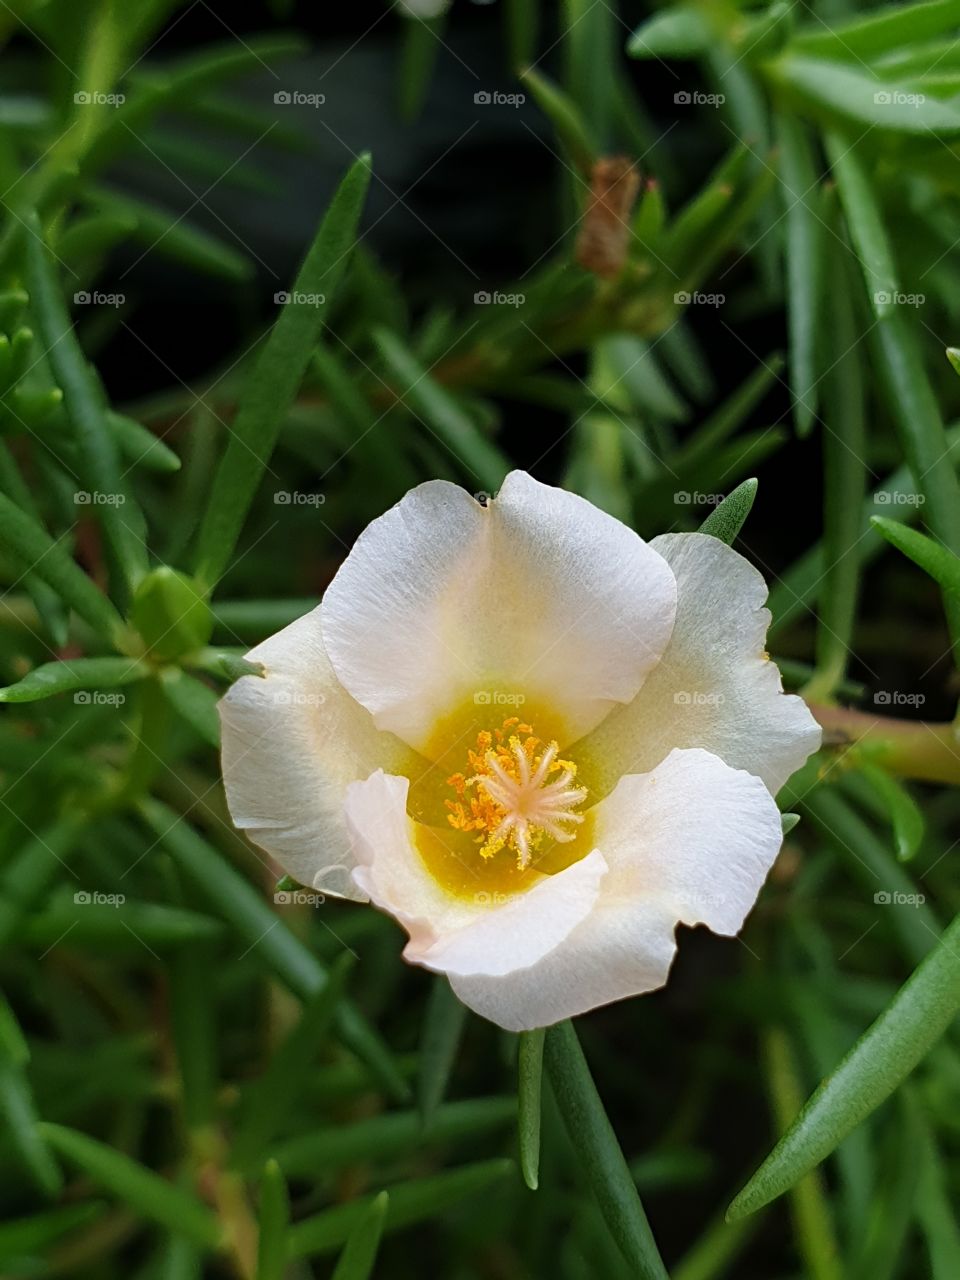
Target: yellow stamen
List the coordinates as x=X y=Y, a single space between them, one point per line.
x=516 y=793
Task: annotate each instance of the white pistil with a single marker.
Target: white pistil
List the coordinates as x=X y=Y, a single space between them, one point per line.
x=530 y=804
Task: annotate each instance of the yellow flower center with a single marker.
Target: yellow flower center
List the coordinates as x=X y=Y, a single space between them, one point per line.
x=517 y=793
x=497 y=809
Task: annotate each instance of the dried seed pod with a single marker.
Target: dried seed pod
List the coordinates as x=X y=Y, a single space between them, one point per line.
x=605 y=231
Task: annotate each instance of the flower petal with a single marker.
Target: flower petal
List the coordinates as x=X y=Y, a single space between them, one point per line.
x=621 y=949
x=715 y=687
x=538 y=592
x=692 y=842
x=694 y=835
x=291 y=743
x=448 y=934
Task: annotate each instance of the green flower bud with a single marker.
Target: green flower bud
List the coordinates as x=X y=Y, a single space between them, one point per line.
x=170 y=614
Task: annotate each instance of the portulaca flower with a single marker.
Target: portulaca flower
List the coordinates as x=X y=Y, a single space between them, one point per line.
x=536 y=740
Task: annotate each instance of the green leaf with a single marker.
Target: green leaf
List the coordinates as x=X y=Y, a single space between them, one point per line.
x=140 y=447
x=21 y=1237
x=195 y=701
x=935 y=1210
x=672 y=33
x=905 y=813
x=805 y=265
x=441 y=413
x=283 y=1083
x=130 y=926
x=360 y=1254
x=168 y=234
x=243 y=907
x=276 y=377
x=87 y=410
x=23 y=1131
x=37 y=553
x=442 y=1031
x=530 y=1062
x=891 y=27
x=936 y=560
x=565 y=116
x=866 y=224
x=145 y=1191
x=816 y=1236
x=914 y=405
x=871 y=863
x=844 y=482
x=601 y=1159
x=395 y=1134
x=727 y=519
x=422 y=39
x=418 y=1200
x=27 y=875
x=834 y=87
x=75 y=673
x=877 y=1065
x=274 y=1224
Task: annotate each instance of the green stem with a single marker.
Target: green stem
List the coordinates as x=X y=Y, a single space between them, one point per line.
x=907 y=748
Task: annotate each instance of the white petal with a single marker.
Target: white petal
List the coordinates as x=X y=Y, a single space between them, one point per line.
x=623 y=948
x=388 y=868
x=537 y=593
x=448 y=934
x=694 y=835
x=691 y=842
x=714 y=687
x=291 y=743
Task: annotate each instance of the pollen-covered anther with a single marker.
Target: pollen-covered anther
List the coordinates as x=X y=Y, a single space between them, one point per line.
x=520 y=793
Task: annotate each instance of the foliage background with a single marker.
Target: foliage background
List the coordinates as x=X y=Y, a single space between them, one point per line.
x=186 y=1073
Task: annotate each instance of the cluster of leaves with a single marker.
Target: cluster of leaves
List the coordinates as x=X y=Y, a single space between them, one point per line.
x=152 y=980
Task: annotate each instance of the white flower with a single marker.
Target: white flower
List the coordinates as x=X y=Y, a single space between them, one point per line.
x=536 y=740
